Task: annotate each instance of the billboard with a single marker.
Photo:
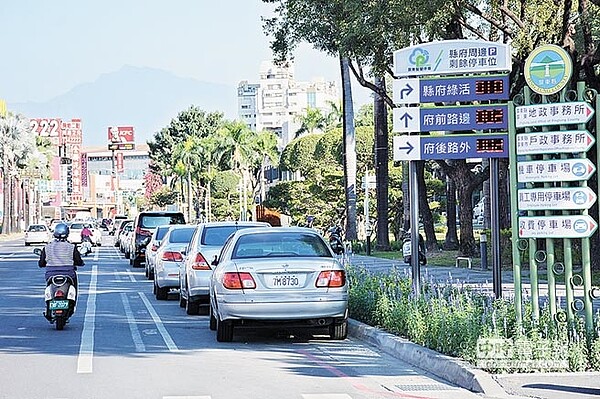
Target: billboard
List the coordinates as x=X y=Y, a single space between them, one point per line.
x=120 y=134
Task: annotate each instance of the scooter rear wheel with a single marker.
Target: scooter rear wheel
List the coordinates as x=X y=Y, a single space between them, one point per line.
x=60 y=323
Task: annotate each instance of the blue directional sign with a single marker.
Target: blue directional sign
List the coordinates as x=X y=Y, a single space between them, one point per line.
x=451 y=89
x=450 y=146
x=455 y=118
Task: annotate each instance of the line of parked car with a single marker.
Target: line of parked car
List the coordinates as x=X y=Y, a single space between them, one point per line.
x=245 y=274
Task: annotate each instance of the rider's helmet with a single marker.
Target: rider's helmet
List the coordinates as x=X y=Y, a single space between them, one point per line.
x=61 y=231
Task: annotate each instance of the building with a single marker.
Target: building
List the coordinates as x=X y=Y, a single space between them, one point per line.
x=274 y=103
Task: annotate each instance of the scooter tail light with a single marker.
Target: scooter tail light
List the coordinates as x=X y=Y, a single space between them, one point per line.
x=59 y=294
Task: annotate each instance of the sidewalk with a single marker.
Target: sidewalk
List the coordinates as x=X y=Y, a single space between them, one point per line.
x=539 y=385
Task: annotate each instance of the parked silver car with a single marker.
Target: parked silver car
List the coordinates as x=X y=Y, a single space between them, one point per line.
x=168 y=257
x=196 y=269
x=151 y=249
x=284 y=277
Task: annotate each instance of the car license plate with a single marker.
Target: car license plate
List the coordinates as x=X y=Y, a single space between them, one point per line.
x=285 y=281
x=57 y=305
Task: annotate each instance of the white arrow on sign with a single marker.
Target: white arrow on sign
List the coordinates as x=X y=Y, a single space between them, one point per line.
x=561 y=141
x=559 y=226
x=407 y=148
x=407 y=119
x=406 y=91
x=556 y=198
x=553 y=114
x=576 y=169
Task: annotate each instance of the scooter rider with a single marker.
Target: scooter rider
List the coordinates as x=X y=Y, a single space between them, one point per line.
x=59 y=256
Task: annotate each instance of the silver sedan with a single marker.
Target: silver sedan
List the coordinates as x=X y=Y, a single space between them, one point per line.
x=283 y=277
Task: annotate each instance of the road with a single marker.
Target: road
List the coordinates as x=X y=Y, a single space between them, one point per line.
x=123 y=343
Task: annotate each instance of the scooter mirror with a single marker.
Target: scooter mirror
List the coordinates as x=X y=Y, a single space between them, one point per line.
x=37 y=251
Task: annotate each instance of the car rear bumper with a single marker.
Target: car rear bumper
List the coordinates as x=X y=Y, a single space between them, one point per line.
x=283 y=311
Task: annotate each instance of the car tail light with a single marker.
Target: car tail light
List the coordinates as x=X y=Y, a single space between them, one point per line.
x=331 y=279
x=59 y=294
x=238 y=281
x=142 y=232
x=200 y=263
x=171 y=256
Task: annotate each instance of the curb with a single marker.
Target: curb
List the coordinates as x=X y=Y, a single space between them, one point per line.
x=445 y=367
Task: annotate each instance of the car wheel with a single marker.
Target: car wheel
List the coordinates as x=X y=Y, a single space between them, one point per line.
x=136 y=262
x=162 y=293
x=339 y=331
x=192 y=308
x=182 y=301
x=212 y=324
x=146 y=272
x=224 y=330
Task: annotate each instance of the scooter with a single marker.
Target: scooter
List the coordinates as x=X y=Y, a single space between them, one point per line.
x=407 y=249
x=335 y=239
x=85 y=247
x=60 y=296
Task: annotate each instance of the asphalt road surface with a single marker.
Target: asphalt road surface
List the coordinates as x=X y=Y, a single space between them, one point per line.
x=123 y=343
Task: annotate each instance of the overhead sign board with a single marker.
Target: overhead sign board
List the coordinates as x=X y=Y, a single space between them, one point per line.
x=555 y=170
x=120 y=134
x=556 y=198
x=452 y=57
x=121 y=146
x=559 y=226
x=553 y=114
x=560 y=141
x=451 y=146
x=453 y=118
x=450 y=89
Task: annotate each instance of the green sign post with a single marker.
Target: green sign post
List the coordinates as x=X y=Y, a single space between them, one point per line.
x=548 y=157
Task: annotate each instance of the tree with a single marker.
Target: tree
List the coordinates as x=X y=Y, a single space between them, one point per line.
x=312 y=119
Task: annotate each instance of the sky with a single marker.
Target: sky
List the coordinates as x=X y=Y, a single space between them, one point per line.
x=49 y=47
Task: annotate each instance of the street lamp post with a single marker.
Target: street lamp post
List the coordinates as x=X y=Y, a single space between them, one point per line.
x=369 y=230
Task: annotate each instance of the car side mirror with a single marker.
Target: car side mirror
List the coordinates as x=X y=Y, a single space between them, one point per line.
x=215 y=261
x=37 y=251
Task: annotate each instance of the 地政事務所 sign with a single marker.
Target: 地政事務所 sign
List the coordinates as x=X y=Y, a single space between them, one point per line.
x=553 y=114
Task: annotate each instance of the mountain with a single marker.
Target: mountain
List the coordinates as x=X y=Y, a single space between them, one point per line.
x=145 y=98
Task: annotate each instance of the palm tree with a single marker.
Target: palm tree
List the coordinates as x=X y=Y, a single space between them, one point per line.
x=310 y=121
x=17 y=143
x=266 y=154
x=188 y=158
x=238 y=140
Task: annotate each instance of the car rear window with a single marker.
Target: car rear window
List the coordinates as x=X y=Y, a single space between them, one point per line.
x=181 y=235
x=77 y=226
x=280 y=245
x=161 y=231
x=218 y=234
x=37 y=228
x=153 y=221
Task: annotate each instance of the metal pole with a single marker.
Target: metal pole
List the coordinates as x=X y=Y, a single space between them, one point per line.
x=495 y=229
x=366 y=211
x=483 y=250
x=414 y=230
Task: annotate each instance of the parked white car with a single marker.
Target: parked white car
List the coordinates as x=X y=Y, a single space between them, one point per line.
x=168 y=258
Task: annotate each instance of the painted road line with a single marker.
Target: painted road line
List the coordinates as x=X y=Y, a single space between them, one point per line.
x=86 y=348
x=131 y=276
x=327 y=396
x=135 y=332
x=186 y=397
x=97 y=254
x=159 y=324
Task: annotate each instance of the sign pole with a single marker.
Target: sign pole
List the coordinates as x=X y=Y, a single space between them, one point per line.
x=495 y=229
x=414 y=229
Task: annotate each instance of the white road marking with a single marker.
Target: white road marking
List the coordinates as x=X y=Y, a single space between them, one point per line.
x=135 y=332
x=131 y=276
x=327 y=396
x=186 y=397
x=86 y=348
x=97 y=254
x=159 y=324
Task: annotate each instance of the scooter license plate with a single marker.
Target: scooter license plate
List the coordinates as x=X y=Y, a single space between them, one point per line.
x=58 y=305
